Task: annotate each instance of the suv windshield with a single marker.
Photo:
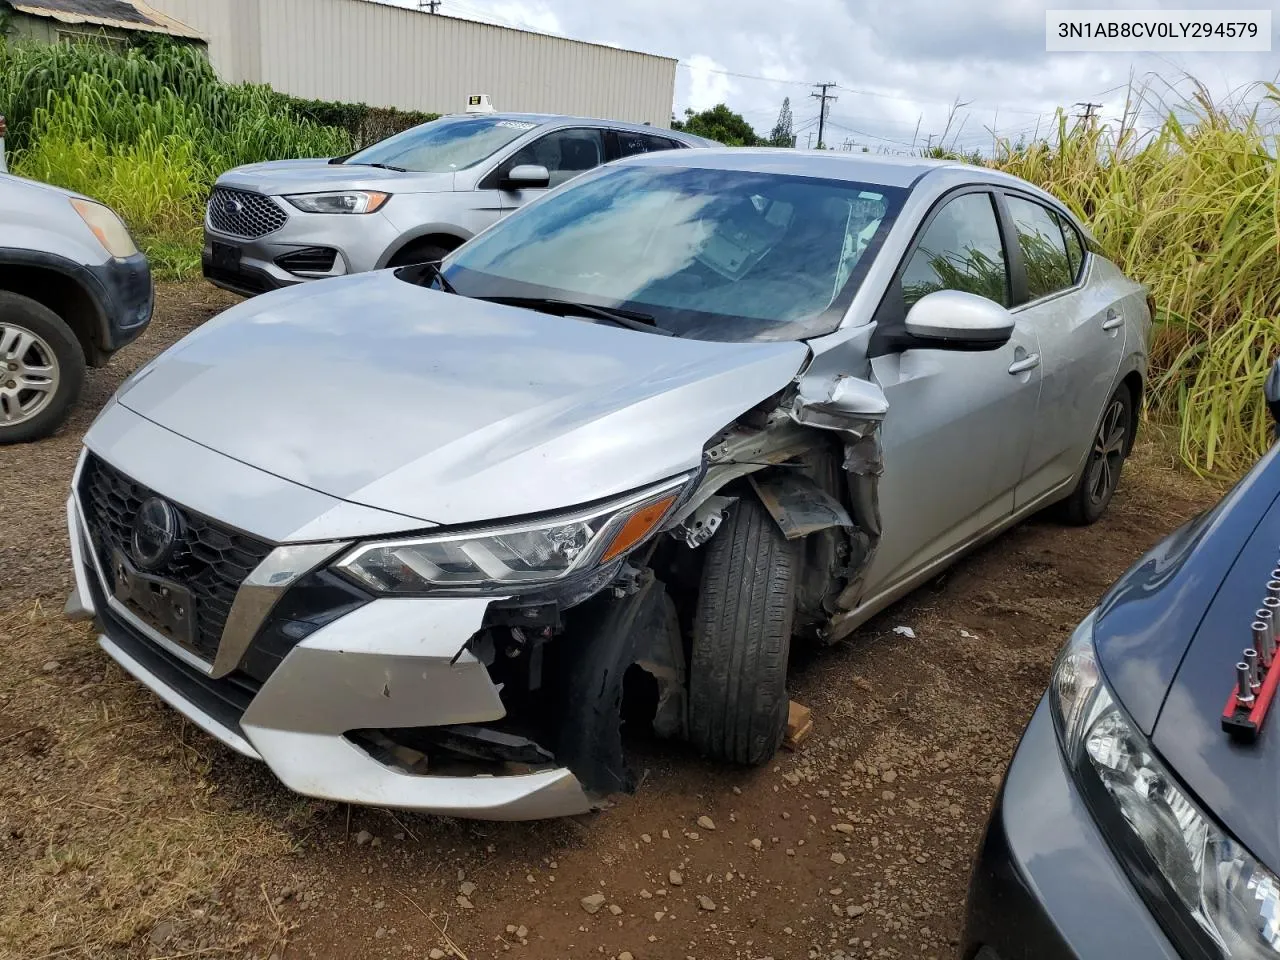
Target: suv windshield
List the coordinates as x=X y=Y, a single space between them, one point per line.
x=709 y=254
x=444 y=145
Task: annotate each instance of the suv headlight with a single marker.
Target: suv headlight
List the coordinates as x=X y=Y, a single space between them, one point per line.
x=344 y=201
x=1210 y=894
x=514 y=558
x=107 y=227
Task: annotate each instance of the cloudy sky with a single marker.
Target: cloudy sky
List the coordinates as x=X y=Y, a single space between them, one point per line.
x=900 y=64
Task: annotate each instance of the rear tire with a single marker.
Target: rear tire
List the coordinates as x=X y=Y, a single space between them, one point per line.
x=418 y=253
x=41 y=369
x=1107 y=453
x=742 y=639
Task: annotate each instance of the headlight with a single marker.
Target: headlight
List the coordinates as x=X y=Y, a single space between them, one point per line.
x=346 y=201
x=1199 y=881
x=107 y=227
x=517 y=557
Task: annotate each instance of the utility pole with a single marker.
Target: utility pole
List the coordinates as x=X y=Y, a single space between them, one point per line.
x=810 y=139
x=430 y=6
x=1089 y=109
x=822 y=98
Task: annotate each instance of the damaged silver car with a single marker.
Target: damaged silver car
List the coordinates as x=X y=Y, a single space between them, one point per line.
x=443 y=538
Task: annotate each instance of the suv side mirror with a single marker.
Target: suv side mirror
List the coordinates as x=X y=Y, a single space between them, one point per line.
x=959 y=321
x=526 y=176
x=1271 y=390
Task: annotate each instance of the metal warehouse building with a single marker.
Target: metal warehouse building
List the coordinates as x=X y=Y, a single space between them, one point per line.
x=367 y=52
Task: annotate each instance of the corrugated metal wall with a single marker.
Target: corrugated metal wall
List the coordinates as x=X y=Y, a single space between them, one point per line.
x=360 y=51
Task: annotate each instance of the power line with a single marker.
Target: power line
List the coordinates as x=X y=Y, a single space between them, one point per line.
x=861 y=93
x=822 y=99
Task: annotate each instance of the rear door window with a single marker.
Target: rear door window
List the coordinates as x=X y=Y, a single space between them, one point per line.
x=1043 y=248
x=1075 y=249
x=960 y=250
x=629 y=143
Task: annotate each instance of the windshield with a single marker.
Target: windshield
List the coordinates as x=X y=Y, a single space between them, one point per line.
x=444 y=145
x=709 y=254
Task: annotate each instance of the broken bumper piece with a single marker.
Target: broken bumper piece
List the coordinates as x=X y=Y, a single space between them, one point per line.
x=391 y=666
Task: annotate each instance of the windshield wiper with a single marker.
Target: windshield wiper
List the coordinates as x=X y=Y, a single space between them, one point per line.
x=380 y=166
x=630 y=319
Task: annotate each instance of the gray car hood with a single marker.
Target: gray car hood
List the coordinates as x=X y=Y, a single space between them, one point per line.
x=451 y=410
x=280 y=177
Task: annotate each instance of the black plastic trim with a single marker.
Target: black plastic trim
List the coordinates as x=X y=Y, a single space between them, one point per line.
x=121 y=291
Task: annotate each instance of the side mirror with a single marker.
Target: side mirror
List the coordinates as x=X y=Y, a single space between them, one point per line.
x=526 y=176
x=959 y=321
x=1271 y=390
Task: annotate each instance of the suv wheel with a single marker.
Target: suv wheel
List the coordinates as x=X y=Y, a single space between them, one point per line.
x=742 y=639
x=41 y=369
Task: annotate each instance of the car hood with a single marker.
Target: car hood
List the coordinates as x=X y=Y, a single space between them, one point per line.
x=1147 y=620
x=450 y=410
x=1237 y=784
x=279 y=177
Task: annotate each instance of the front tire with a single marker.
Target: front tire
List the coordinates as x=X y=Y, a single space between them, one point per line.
x=41 y=369
x=742 y=639
x=1107 y=453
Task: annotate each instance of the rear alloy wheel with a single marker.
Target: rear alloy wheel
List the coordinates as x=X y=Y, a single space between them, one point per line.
x=742 y=639
x=41 y=369
x=1107 y=454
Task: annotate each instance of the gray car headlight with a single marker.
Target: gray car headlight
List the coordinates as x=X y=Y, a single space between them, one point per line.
x=516 y=557
x=344 y=201
x=1198 y=880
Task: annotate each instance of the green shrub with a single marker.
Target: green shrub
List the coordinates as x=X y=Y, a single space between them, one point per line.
x=146 y=131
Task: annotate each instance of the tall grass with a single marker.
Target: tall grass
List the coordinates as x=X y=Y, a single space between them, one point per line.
x=1192 y=210
x=146 y=132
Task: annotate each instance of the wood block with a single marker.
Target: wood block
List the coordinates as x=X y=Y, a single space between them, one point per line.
x=799 y=725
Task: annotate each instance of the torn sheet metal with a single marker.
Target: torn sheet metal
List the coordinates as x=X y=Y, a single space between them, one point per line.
x=798 y=505
x=854 y=408
x=846 y=404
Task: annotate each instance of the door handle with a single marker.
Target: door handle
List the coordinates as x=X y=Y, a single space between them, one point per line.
x=1113 y=320
x=1029 y=362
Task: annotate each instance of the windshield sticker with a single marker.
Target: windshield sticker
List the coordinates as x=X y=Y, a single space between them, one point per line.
x=516 y=124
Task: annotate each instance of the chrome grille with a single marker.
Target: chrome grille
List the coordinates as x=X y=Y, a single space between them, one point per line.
x=239 y=213
x=212 y=562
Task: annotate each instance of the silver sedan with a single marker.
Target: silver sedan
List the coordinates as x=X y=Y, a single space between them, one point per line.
x=446 y=537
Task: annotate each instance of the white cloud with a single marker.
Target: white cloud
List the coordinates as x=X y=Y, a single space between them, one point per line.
x=900 y=64
x=707 y=85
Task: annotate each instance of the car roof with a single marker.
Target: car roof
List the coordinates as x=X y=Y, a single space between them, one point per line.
x=545 y=119
x=827 y=164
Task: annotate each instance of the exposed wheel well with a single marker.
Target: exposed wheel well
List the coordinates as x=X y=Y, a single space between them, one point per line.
x=1134 y=382
x=443 y=240
x=65 y=297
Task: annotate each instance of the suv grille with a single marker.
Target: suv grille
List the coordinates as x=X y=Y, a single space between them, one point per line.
x=212 y=561
x=242 y=214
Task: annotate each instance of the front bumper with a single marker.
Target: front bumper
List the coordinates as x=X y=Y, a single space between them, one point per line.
x=1045 y=884
x=359 y=240
x=128 y=299
x=392 y=663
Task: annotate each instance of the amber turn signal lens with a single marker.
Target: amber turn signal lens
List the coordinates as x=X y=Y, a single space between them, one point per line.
x=638 y=526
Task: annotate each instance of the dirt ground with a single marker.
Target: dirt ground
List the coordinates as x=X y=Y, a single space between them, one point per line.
x=124 y=832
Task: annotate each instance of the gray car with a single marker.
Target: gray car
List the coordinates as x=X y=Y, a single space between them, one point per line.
x=413 y=197
x=589 y=478
x=73 y=290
